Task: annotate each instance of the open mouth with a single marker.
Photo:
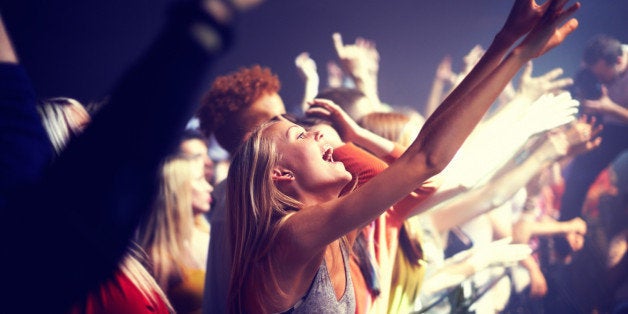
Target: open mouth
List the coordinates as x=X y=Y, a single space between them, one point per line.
x=328 y=153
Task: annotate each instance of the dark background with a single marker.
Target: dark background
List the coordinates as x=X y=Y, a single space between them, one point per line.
x=79 y=48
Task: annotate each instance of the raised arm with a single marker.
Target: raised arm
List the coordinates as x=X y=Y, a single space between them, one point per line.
x=508 y=180
x=605 y=106
x=307 y=71
x=25 y=147
x=88 y=205
x=361 y=61
x=438 y=141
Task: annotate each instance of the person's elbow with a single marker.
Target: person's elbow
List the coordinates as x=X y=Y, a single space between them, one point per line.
x=428 y=165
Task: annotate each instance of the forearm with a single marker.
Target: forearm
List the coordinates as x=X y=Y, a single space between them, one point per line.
x=367 y=84
x=310 y=92
x=111 y=168
x=497 y=191
x=494 y=142
x=435 y=97
x=447 y=276
x=374 y=143
x=549 y=227
x=438 y=139
x=618 y=112
x=7 y=52
x=24 y=144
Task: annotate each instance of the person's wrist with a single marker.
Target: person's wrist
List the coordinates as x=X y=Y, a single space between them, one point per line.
x=503 y=39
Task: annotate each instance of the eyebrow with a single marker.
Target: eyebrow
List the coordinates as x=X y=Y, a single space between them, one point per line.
x=290 y=128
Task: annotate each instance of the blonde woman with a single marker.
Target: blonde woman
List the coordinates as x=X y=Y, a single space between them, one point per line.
x=175 y=235
x=286 y=219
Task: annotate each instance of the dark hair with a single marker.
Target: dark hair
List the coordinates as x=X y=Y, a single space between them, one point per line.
x=586 y=85
x=602 y=47
x=193 y=134
x=344 y=97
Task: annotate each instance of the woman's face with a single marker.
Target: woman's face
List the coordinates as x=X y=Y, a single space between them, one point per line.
x=201 y=189
x=308 y=158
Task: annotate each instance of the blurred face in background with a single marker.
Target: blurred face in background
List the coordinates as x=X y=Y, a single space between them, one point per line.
x=201 y=190
x=197 y=148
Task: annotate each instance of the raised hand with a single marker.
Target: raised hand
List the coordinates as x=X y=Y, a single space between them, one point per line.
x=548 y=33
x=523 y=16
x=307 y=70
x=533 y=87
x=359 y=59
x=344 y=125
x=444 y=72
x=306 y=67
x=582 y=135
x=548 y=112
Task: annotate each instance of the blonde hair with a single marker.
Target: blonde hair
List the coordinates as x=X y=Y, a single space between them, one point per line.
x=256 y=212
x=401 y=128
x=166 y=231
x=141 y=278
x=398 y=127
x=59 y=120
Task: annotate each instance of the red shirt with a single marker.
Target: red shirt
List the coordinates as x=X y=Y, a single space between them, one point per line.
x=120 y=296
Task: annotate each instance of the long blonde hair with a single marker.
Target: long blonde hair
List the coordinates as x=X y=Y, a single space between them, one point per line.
x=132 y=266
x=166 y=231
x=256 y=211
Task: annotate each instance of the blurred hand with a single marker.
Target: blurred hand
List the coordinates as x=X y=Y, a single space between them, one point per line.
x=533 y=87
x=444 y=72
x=583 y=135
x=306 y=67
x=549 y=111
x=523 y=16
x=360 y=60
x=548 y=31
x=346 y=127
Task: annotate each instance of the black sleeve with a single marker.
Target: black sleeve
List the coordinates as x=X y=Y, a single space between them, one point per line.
x=76 y=224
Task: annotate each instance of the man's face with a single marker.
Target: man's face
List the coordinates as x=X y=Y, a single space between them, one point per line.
x=266 y=107
x=605 y=72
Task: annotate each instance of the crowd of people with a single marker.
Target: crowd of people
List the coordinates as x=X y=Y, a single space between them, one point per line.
x=495 y=197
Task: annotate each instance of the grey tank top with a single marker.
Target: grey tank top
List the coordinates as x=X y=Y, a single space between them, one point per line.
x=321 y=297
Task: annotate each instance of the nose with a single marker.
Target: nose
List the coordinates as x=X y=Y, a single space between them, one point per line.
x=318 y=135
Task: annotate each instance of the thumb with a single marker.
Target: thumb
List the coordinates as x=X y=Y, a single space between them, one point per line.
x=604 y=91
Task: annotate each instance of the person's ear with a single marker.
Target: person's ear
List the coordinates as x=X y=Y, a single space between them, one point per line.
x=282 y=175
